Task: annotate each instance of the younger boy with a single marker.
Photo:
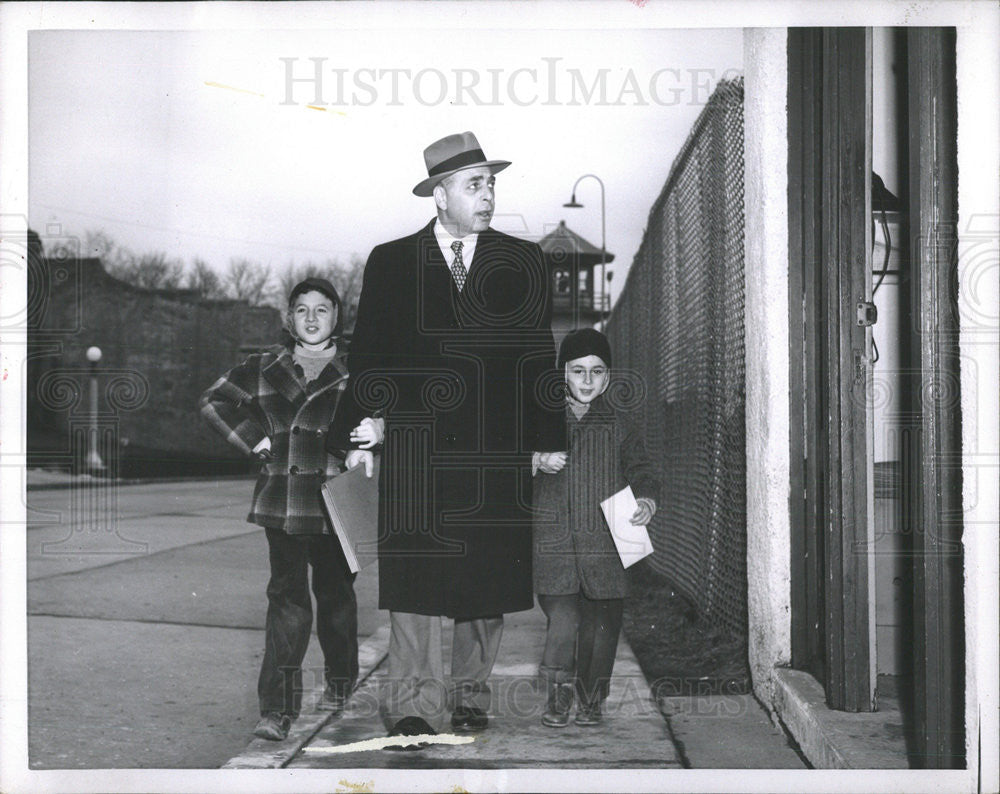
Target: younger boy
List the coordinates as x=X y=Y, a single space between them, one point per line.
x=579 y=577
x=277 y=406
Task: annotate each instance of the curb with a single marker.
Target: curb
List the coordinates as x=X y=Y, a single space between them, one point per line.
x=265 y=754
x=703 y=686
x=56 y=486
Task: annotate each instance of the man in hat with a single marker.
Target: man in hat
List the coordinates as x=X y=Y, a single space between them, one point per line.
x=453 y=343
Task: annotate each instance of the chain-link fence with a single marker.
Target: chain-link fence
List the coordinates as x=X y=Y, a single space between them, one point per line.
x=679 y=325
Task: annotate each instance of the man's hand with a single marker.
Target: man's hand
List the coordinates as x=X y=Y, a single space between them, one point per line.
x=644 y=512
x=551 y=462
x=356 y=456
x=369 y=433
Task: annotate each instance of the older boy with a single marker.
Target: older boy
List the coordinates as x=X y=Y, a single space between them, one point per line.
x=277 y=406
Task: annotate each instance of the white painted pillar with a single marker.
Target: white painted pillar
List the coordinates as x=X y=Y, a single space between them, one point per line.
x=978 y=83
x=767 y=411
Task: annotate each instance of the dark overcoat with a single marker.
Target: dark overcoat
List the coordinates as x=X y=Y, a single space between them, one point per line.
x=461 y=378
x=574 y=550
x=267 y=395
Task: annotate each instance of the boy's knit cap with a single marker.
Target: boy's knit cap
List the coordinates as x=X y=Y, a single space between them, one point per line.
x=314 y=283
x=582 y=343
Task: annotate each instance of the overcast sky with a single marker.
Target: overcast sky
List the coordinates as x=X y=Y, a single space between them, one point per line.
x=203 y=143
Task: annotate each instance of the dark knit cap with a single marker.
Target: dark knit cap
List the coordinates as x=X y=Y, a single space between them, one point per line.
x=321 y=285
x=582 y=343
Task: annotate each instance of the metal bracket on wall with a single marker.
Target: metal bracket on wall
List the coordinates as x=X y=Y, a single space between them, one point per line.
x=867 y=314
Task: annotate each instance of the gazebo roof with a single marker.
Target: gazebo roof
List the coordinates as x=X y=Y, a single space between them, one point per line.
x=562 y=242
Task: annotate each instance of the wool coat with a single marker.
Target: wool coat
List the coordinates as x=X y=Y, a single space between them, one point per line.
x=461 y=378
x=573 y=547
x=267 y=395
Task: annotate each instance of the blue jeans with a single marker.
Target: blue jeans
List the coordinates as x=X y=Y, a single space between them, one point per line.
x=289 y=619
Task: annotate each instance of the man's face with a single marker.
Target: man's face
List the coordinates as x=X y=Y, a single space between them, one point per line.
x=313 y=317
x=465 y=201
x=586 y=378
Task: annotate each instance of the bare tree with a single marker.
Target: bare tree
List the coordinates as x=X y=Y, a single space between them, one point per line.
x=292 y=275
x=205 y=281
x=346 y=279
x=100 y=244
x=151 y=271
x=248 y=280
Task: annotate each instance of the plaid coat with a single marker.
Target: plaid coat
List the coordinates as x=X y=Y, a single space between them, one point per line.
x=267 y=395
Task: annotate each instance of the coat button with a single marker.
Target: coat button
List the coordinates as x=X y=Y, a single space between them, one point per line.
x=293 y=469
x=295 y=430
x=319 y=433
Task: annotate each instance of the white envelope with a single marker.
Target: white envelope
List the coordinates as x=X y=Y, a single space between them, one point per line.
x=631 y=541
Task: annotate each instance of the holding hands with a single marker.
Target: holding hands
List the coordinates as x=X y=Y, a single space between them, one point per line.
x=369 y=433
x=550 y=462
x=366 y=435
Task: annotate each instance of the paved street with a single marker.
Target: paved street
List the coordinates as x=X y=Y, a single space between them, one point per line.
x=148 y=659
x=145 y=633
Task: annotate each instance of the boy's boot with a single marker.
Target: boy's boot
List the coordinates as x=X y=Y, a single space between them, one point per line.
x=589 y=700
x=273 y=726
x=589 y=713
x=560 y=701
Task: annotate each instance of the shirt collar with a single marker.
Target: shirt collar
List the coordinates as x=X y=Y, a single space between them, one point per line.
x=445 y=239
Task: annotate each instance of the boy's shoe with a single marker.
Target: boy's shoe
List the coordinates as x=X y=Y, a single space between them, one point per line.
x=273 y=726
x=333 y=700
x=589 y=714
x=559 y=704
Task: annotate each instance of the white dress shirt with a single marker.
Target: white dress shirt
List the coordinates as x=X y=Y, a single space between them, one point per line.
x=444 y=240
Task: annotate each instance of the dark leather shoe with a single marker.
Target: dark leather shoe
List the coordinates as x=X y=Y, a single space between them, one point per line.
x=469 y=718
x=411 y=726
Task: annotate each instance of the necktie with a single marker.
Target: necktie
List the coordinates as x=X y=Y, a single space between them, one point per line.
x=458 y=266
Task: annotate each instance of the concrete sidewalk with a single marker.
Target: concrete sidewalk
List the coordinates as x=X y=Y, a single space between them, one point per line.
x=704 y=732
x=708 y=732
x=145 y=632
x=633 y=735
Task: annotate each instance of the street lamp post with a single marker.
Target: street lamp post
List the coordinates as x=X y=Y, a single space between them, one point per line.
x=93 y=462
x=573 y=203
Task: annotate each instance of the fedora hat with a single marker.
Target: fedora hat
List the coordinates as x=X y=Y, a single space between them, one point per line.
x=451 y=154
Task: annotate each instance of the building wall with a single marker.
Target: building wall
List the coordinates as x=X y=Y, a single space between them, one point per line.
x=767 y=366
x=171 y=344
x=978 y=82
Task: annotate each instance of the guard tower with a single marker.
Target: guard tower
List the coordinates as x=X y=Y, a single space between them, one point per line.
x=578 y=298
